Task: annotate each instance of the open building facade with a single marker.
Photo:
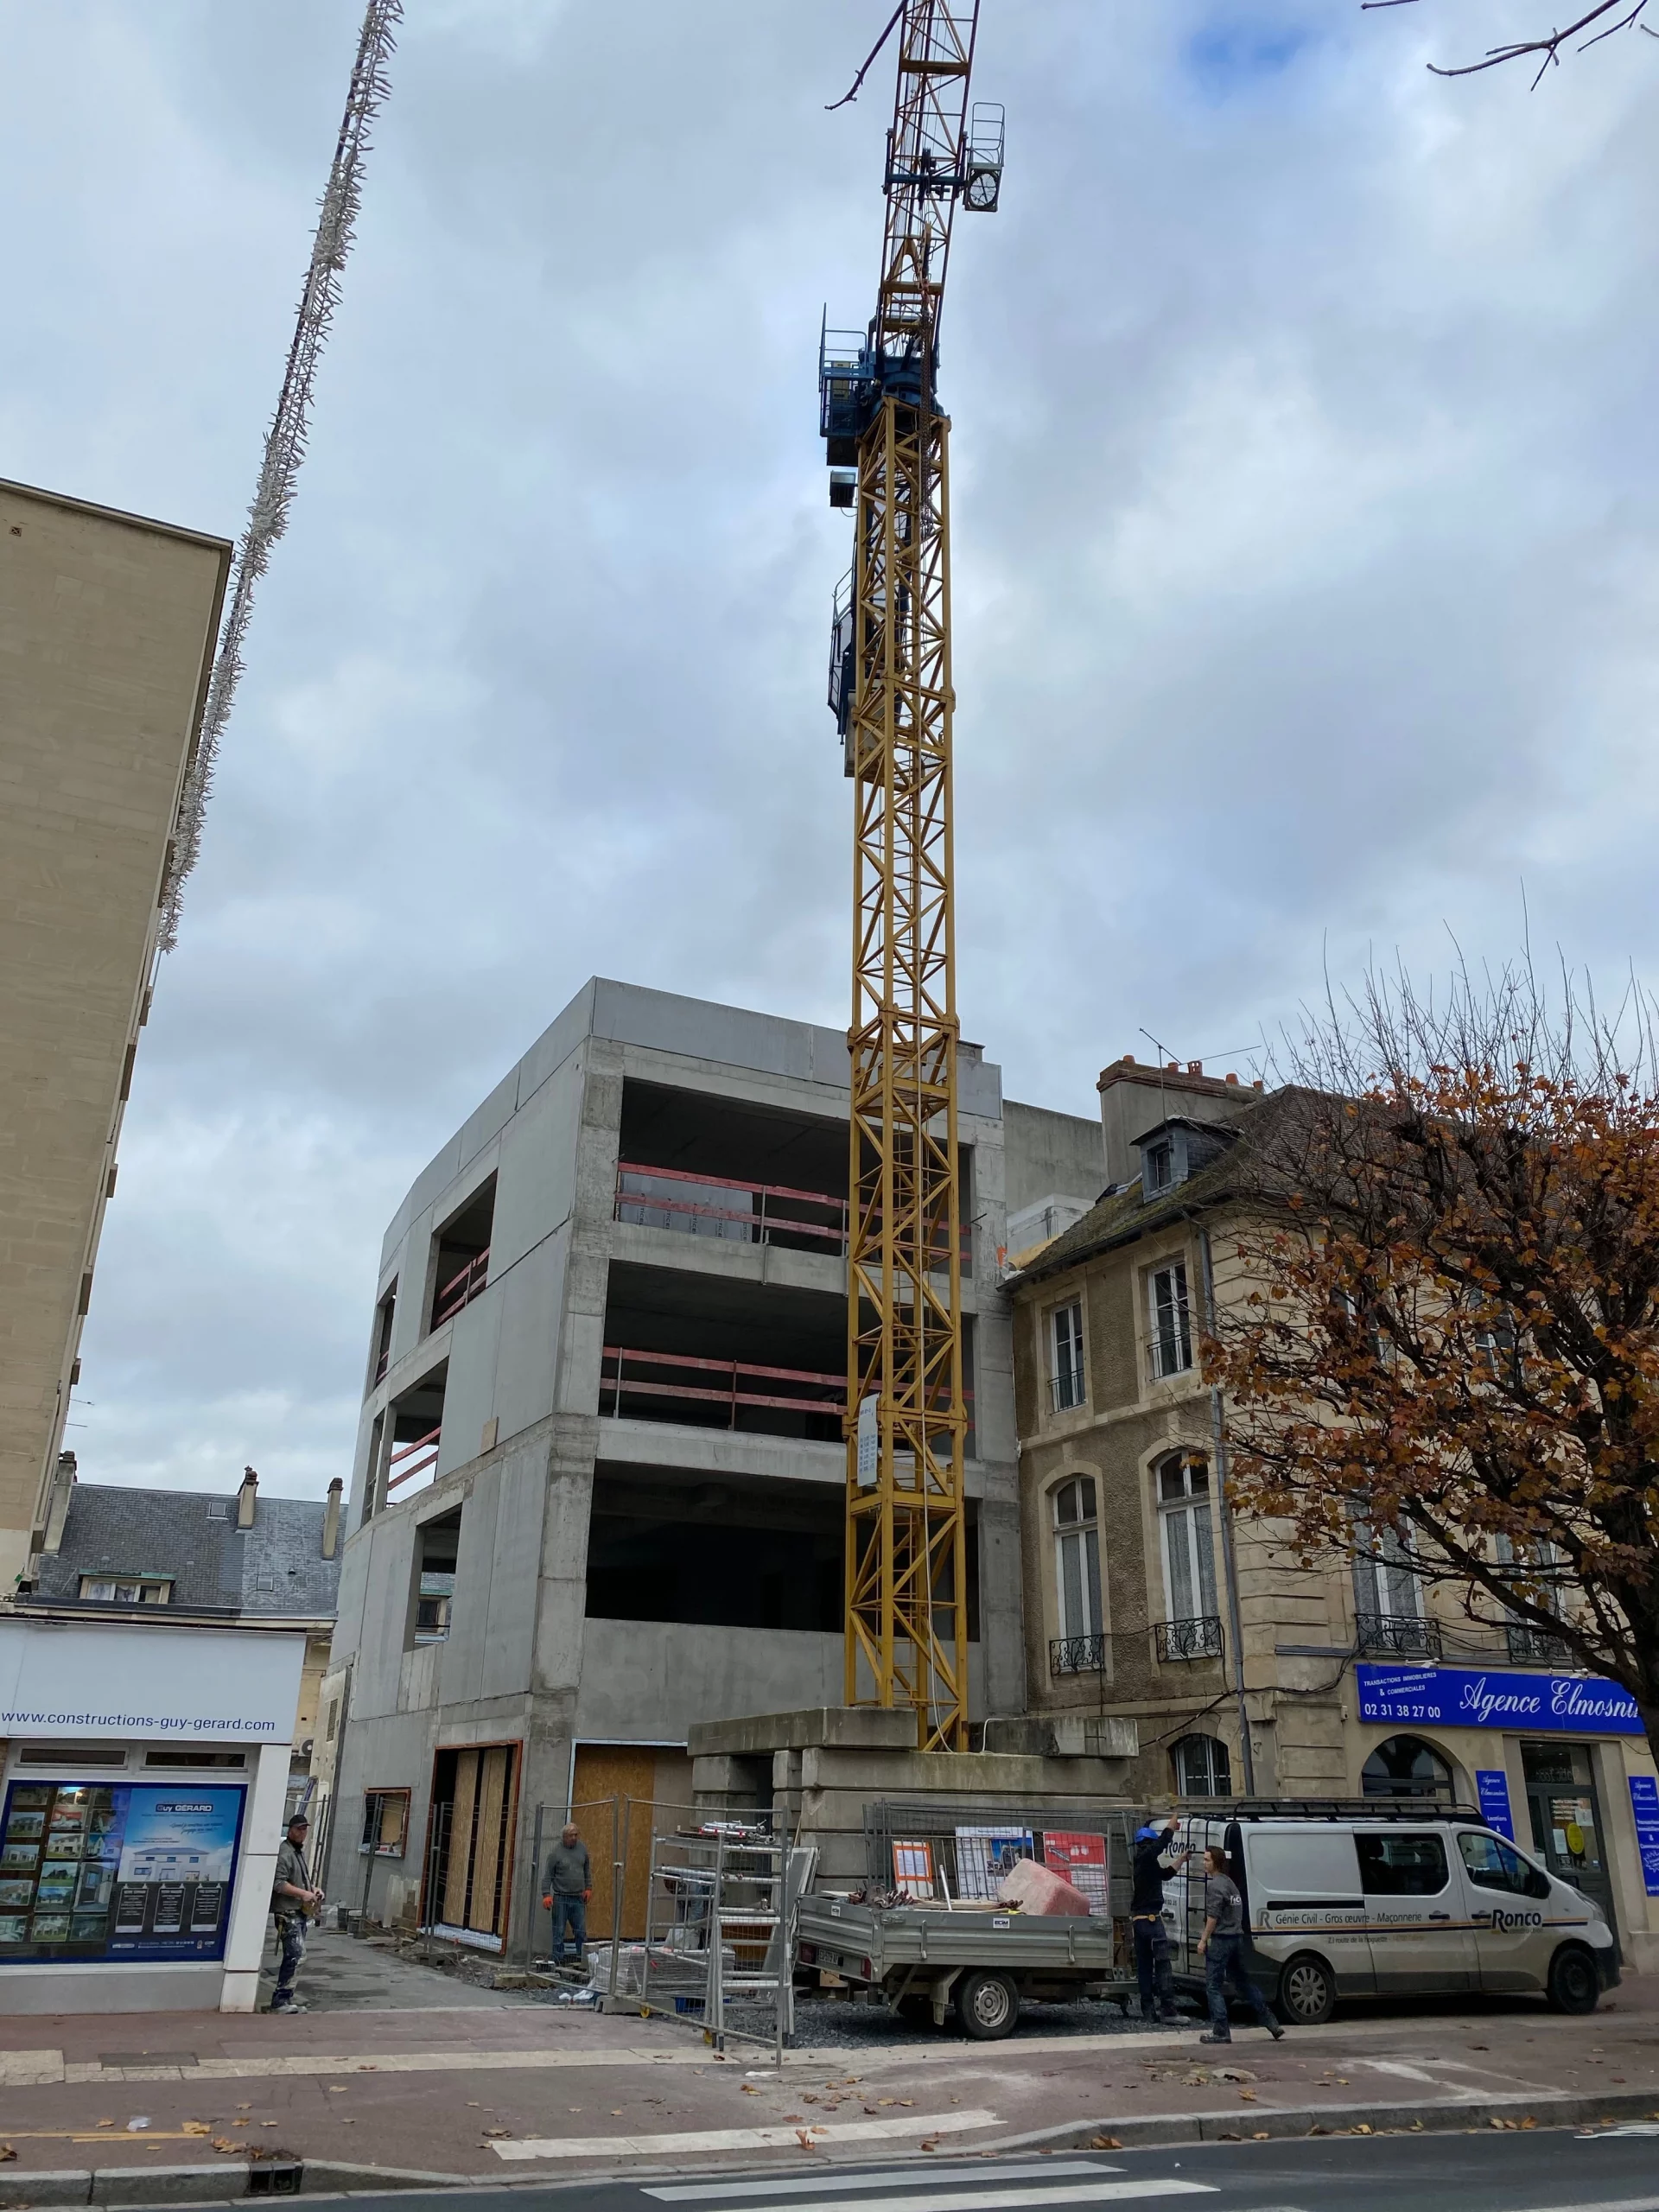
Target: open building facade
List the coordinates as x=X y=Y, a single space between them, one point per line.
x=598 y=1490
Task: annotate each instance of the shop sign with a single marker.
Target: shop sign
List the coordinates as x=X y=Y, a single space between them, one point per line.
x=1459 y=1697
x=117 y=1871
x=1644 y=1803
x=1492 y=1788
x=109 y=1679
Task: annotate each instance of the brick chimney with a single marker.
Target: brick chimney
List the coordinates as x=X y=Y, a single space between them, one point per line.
x=245 y=1498
x=331 y=1519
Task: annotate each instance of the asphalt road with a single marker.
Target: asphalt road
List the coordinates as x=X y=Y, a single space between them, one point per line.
x=1609 y=2170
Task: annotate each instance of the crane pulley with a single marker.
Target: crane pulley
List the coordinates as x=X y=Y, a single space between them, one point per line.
x=885 y=439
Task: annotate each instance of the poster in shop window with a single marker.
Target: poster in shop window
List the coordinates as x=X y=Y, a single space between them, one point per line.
x=117 y=1870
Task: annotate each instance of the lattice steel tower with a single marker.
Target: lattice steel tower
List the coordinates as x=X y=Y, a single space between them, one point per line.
x=889 y=688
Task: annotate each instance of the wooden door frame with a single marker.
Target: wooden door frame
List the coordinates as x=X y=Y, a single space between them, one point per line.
x=516 y=1745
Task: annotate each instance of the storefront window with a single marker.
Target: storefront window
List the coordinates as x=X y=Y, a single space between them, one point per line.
x=1405 y=1766
x=117 y=1870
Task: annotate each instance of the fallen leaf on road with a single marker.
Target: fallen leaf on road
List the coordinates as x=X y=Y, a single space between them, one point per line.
x=1248 y=2096
x=1105 y=2143
x=107 y=2123
x=336 y=2088
x=929 y=2143
x=197 y=2127
x=887 y=2100
x=907 y=2100
x=1317 y=2130
x=1528 y=2121
x=1260 y=2136
x=268 y=2123
x=241 y=2123
x=497 y=2131
x=225 y=2143
x=6 y=2151
x=748 y=2088
x=616 y=2113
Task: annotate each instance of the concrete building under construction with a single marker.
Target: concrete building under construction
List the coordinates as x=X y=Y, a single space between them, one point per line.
x=599 y=1495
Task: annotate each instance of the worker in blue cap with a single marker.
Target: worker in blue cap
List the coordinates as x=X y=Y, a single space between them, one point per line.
x=1155 y=1860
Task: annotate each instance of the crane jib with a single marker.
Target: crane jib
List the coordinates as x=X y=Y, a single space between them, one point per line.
x=890 y=687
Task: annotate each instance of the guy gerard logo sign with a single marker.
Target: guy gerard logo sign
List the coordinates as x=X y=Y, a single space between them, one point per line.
x=1457 y=1697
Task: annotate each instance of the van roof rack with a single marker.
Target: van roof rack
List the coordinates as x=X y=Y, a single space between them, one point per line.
x=1348 y=1808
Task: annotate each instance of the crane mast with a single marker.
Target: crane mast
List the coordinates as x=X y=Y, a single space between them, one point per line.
x=906 y=1617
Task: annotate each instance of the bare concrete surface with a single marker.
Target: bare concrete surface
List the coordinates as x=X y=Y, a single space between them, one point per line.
x=344 y=1975
x=498 y=2092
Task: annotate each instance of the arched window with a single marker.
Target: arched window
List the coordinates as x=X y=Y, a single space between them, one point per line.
x=1077 y=1557
x=1191 y=1614
x=1405 y=1766
x=1202 y=1767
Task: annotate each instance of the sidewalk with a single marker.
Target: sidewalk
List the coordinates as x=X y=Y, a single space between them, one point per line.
x=449 y=2080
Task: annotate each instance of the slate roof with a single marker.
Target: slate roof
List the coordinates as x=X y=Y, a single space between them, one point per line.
x=1120 y=1217
x=274 y=1568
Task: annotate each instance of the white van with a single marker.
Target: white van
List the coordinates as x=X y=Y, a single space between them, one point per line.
x=1394 y=1902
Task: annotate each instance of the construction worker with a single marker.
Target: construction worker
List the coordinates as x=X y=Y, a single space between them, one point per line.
x=1155 y=1862
x=569 y=1891
x=294 y=1899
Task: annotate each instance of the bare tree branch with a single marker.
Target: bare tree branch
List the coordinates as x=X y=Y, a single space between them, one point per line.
x=1548 y=47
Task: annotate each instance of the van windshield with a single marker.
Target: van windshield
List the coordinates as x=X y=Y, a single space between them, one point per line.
x=1494 y=1864
x=1403 y=1866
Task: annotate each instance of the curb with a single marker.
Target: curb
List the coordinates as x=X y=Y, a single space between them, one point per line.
x=128 y=2189
x=1443 y=2115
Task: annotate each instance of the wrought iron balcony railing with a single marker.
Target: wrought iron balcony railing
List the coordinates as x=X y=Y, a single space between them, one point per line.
x=1197 y=1638
x=1076 y=1655
x=1407 y=1634
x=1526 y=1642
x=1066 y=1390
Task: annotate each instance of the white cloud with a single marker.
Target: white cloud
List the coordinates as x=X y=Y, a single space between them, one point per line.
x=1304 y=459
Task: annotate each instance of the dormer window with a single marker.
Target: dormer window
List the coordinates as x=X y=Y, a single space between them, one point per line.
x=124 y=1590
x=1176 y=1150
x=1158 y=1166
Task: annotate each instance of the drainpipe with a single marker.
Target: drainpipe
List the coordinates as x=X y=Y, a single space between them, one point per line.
x=1229 y=1566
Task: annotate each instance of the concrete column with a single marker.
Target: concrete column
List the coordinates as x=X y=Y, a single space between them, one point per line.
x=262 y=1831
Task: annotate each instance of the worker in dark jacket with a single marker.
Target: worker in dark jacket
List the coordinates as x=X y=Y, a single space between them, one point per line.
x=1155 y=1860
x=569 y=1887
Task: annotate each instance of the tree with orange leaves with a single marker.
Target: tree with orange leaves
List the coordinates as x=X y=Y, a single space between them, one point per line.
x=1442 y=1334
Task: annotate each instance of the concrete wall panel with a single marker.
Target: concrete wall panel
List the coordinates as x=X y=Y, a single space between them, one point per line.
x=461 y=1669
x=557 y=1042
x=537 y=1179
x=470 y=1391
x=378 y=1676
x=525 y=1358
x=682 y=1674
x=509 y=1650
x=1049 y=1154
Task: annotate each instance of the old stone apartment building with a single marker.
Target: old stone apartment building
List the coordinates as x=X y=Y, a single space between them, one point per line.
x=1145 y=1596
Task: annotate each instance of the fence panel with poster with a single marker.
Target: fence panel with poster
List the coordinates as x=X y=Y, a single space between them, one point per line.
x=963 y=1853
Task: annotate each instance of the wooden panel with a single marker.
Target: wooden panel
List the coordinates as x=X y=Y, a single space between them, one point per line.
x=606 y=1772
x=461 y=1839
x=487 y=1857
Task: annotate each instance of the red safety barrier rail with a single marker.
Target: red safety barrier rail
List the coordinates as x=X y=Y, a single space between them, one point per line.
x=415 y=1466
x=461 y=1289
x=661 y=1190
x=730 y=1392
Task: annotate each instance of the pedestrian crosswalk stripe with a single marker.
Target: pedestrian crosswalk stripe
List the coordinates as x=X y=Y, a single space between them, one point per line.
x=911 y=2176
x=1015 y=2199
x=786 y=2137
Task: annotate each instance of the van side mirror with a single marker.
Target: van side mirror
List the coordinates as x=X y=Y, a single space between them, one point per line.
x=1537 y=1883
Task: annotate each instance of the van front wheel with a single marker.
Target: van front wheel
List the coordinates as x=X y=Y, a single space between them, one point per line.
x=1307 y=1992
x=1574 y=1984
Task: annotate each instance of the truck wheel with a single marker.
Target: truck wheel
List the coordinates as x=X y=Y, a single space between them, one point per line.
x=1574 y=1986
x=988 y=2006
x=1307 y=1992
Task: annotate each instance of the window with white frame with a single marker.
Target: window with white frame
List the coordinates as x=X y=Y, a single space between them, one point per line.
x=1077 y=1557
x=1202 y=1767
x=1170 y=1340
x=1187 y=1540
x=1385 y=1579
x=1066 y=1344
x=1157 y=1165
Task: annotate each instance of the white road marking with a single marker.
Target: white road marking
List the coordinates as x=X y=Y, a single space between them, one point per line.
x=1613 y=2204
x=888 y=2177
x=1406 y=2072
x=789 y=2137
x=1020 y=2200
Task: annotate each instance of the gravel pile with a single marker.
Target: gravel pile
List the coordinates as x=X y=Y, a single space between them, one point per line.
x=829 y=2024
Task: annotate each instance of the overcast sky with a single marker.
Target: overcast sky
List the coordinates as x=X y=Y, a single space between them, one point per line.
x=1307 y=511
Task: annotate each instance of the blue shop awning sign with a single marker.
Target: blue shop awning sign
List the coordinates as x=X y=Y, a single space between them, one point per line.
x=1460 y=1697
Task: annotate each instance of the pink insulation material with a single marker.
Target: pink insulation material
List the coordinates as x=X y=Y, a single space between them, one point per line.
x=1038 y=1889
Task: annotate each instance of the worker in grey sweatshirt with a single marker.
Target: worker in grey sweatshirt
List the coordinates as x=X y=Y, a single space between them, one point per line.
x=570 y=1890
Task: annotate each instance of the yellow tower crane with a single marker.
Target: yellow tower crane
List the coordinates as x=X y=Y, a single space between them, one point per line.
x=890 y=687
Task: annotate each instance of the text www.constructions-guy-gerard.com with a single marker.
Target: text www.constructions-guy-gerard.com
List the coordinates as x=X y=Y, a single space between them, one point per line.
x=162 y=1725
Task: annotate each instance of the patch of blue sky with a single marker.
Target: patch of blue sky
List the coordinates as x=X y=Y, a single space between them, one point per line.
x=1230 y=57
